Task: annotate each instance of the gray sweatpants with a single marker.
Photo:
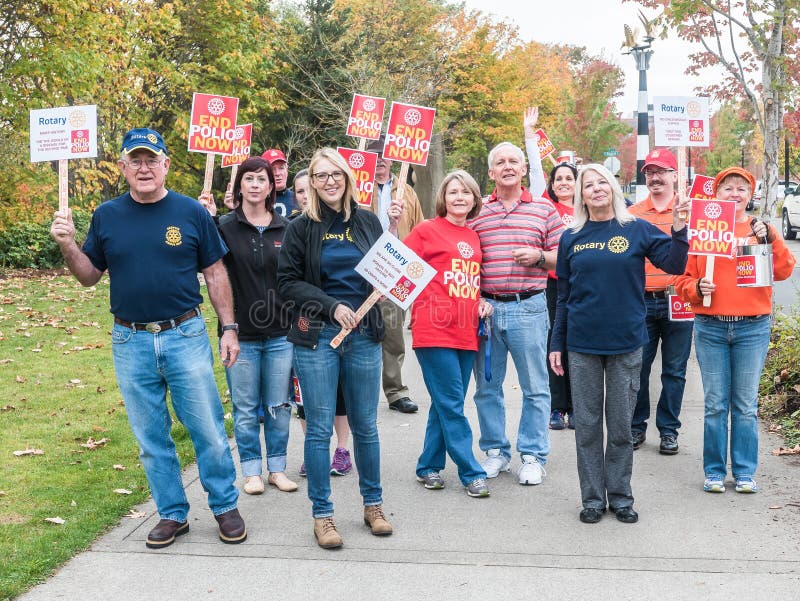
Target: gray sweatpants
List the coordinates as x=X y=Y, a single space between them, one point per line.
x=615 y=377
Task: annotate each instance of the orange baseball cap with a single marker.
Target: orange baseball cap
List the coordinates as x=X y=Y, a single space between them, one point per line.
x=744 y=173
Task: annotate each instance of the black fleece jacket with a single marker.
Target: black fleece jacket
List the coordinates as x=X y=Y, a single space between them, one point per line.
x=299 y=272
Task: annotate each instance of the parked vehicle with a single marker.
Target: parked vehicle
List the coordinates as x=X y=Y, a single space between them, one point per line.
x=790 y=213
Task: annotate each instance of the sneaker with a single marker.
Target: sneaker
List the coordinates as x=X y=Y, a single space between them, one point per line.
x=714 y=484
x=302 y=472
x=431 y=481
x=531 y=471
x=746 y=485
x=669 y=445
x=638 y=438
x=477 y=488
x=557 y=421
x=495 y=463
x=341 y=465
x=570 y=420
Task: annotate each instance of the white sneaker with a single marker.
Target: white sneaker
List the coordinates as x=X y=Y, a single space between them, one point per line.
x=531 y=471
x=495 y=463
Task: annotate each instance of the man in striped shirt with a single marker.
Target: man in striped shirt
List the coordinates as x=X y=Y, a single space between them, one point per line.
x=661 y=176
x=519 y=239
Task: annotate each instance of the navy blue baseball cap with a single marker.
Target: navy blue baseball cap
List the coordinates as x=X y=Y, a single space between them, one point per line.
x=143 y=138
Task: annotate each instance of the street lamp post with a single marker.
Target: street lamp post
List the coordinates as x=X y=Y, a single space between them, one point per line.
x=641 y=54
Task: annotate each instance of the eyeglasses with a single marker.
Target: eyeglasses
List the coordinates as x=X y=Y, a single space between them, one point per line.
x=659 y=172
x=137 y=164
x=322 y=178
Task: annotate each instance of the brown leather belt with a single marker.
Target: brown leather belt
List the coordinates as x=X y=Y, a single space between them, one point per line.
x=154 y=327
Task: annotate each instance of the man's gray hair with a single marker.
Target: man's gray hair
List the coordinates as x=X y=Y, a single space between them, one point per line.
x=506 y=146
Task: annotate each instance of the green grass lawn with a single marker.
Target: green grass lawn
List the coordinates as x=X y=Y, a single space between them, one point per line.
x=57 y=391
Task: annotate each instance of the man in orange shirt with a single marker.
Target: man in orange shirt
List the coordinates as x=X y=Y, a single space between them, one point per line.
x=661 y=176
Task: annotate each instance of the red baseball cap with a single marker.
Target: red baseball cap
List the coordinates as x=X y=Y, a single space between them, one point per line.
x=660 y=157
x=273 y=155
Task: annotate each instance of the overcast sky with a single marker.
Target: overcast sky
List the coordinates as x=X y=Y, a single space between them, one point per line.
x=597 y=25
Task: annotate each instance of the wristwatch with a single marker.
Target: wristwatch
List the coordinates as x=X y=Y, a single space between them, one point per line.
x=231 y=326
x=540 y=262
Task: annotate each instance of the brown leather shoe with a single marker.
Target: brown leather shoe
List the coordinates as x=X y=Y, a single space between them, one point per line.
x=376 y=520
x=231 y=527
x=327 y=535
x=163 y=535
x=280 y=480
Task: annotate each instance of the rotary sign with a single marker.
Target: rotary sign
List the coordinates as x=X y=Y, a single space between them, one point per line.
x=408 y=136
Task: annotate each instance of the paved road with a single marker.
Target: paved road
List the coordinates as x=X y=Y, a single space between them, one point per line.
x=521 y=543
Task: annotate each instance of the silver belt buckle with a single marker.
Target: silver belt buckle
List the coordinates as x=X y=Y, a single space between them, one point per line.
x=153 y=327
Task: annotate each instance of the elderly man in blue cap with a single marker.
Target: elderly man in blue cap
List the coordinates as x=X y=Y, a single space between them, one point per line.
x=153 y=241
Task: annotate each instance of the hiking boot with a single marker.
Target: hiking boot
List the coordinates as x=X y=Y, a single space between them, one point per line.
x=495 y=463
x=531 y=471
x=557 y=421
x=164 y=533
x=669 y=445
x=376 y=520
x=326 y=534
x=341 y=464
x=477 y=488
x=431 y=481
x=232 y=530
x=638 y=439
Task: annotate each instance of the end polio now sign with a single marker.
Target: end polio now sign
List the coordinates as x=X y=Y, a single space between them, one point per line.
x=711 y=228
x=240 y=149
x=67 y=132
x=408 y=136
x=702 y=187
x=362 y=163
x=544 y=144
x=212 y=127
x=366 y=117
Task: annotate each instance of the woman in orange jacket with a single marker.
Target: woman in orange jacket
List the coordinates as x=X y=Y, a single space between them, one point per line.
x=731 y=337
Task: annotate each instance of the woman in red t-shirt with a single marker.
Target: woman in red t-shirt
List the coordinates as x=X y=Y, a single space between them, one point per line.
x=444 y=327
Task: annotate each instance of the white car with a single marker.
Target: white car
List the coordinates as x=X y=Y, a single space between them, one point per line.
x=790 y=214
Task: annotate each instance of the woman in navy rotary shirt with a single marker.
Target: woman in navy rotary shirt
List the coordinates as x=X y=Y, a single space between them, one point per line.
x=600 y=320
x=316 y=272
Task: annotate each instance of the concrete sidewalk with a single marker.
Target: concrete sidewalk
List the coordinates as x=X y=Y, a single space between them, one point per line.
x=521 y=543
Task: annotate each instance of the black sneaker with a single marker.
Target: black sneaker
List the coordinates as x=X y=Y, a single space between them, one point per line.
x=638 y=438
x=669 y=445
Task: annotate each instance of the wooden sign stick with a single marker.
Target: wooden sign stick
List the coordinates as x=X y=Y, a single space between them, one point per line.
x=360 y=313
x=362 y=143
x=209 y=172
x=682 y=177
x=234 y=171
x=401 y=183
x=63 y=185
x=552 y=160
x=710 y=278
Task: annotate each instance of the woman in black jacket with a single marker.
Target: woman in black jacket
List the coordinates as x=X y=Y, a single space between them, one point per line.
x=254 y=234
x=316 y=272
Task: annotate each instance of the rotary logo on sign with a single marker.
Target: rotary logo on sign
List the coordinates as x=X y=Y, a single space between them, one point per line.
x=693 y=108
x=412 y=117
x=465 y=250
x=77 y=119
x=369 y=104
x=238 y=133
x=356 y=160
x=677 y=305
x=415 y=270
x=216 y=106
x=708 y=188
x=713 y=210
x=618 y=244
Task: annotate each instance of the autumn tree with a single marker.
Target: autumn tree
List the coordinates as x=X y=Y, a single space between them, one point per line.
x=754 y=41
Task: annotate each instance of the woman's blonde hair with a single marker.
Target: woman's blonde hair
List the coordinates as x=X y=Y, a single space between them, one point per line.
x=313 y=211
x=621 y=213
x=467 y=180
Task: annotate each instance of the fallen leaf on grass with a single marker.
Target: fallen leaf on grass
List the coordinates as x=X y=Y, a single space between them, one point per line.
x=74 y=381
x=29 y=452
x=4 y=361
x=99 y=429
x=73 y=503
x=93 y=444
x=119 y=467
x=795 y=450
x=3 y=493
x=135 y=514
x=7 y=408
x=21 y=379
x=123 y=491
x=55 y=520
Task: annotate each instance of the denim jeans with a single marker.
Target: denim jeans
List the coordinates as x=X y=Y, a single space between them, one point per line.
x=356 y=364
x=261 y=377
x=676 y=345
x=178 y=360
x=731 y=356
x=519 y=328
x=446 y=372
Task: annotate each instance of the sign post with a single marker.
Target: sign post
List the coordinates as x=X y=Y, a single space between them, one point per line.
x=60 y=134
x=212 y=129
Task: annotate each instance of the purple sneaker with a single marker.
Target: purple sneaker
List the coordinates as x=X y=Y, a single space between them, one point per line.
x=341 y=465
x=303 y=470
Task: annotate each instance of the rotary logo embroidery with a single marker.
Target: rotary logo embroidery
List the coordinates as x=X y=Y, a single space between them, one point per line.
x=618 y=244
x=303 y=324
x=173 y=237
x=465 y=250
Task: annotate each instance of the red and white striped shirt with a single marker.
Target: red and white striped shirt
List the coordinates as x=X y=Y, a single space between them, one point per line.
x=531 y=222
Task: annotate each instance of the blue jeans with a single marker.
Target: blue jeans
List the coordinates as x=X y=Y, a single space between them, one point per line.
x=731 y=356
x=446 y=373
x=178 y=360
x=261 y=377
x=519 y=328
x=356 y=364
x=676 y=345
